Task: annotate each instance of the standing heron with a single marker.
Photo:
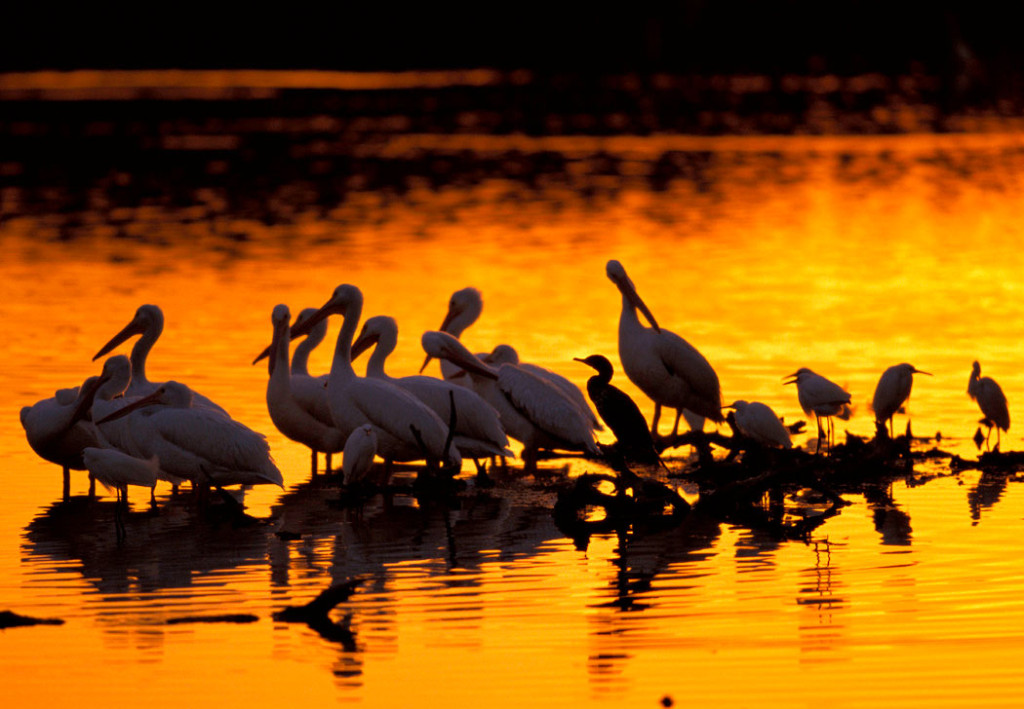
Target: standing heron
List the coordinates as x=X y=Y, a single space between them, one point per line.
x=992 y=402
x=821 y=397
x=892 y=392
x=663 y=365
x=620 y=412
x=357 y=458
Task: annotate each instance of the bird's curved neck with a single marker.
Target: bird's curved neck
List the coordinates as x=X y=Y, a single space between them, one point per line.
x=629 y=319
x=141 y=351
x=341 y=365
x=300 y=359
x=384 y=347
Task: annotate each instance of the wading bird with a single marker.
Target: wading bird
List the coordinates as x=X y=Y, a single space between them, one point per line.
x=532 y=411
x=464 y=308
x=620 y=412
x=59 y=432
x=357 y=458
x=118 y=470
x=821 y=397
x=148 y=322
x=991 y=401
x=506 y=354
x=478 y=431
x=406 y=428
x=291 y=417
x=759 y=423
x=310 y=392
x=663 y=365
x=196 y=443
x=892 y=392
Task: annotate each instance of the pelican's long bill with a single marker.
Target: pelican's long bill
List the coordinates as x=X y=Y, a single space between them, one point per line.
x=618 y=276
x=153 y=398
x=135 y=327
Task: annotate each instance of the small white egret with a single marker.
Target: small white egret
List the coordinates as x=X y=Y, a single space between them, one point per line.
x=663 y=365
x=821 y=397
x=118 y=470
x=758 y=422
x=357 y=458
x=892 y=392
x=991 y=400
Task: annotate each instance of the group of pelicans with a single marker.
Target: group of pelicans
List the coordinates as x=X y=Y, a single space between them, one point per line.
x=126 y=430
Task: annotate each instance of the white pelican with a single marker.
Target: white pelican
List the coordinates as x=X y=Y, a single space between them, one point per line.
x=310 y=392
x=464 y=309
x=532 y=411
x=821 y=397
x=989 y=395
x=288 y=413
x=406 y=428
x=663 y=365
x=758 y=422
x=620 y=412
x=478 y=430
x=892 y=391
x=506 y=354
x=58 y=432
x=357 y=459
x=196 y=443
x=118 y=470
x=148 y=322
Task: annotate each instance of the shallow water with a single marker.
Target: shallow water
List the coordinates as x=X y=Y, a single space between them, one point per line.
x=843 y=255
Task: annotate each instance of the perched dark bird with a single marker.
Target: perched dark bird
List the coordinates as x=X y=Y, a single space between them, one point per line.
x=620 y=413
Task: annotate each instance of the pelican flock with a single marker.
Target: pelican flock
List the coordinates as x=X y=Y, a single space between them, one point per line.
x=127 y=430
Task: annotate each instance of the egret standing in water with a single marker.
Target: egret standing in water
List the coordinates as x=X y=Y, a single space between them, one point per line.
x=991 y=401
x=663 y=365
x=821 y=397
x=759 y=423
x=620 y=412
x=357 y=458
x=892 y=392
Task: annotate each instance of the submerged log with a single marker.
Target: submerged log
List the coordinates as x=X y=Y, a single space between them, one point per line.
x=10 y=619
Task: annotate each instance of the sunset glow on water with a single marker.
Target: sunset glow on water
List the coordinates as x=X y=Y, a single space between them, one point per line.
x=840 y=255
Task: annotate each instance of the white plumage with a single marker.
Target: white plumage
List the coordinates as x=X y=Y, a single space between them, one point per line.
x=357 y=459
x=532 y=411
x=148 y=322
x=667 y=368
x=394 y=412
x=991 y=400
x=58 y=432
x=506 y=354
x=195 y=443
x=478 y=430
x=291 y=417
x=758 y=422
x=892 y=391
x=821 y=397
x=464 y=309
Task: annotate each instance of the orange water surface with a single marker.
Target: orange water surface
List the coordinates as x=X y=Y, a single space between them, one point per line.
x=839 y=255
